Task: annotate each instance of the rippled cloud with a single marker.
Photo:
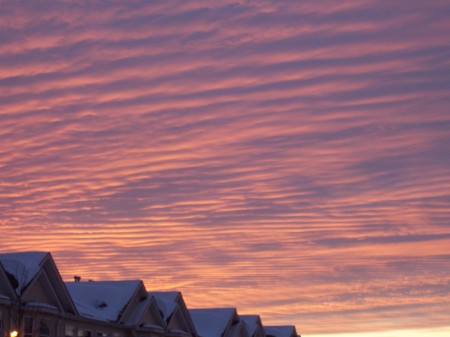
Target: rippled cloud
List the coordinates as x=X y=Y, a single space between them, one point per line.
x=289 y=159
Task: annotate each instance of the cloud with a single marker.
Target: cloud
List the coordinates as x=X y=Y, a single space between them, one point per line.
x=289 y=159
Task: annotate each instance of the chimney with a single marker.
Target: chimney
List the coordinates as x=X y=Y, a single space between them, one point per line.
x=77 y=278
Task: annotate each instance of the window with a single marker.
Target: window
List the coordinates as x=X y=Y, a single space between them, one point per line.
x=44 y=328
x=69 y=330
x=28 y=327
x=84 y=333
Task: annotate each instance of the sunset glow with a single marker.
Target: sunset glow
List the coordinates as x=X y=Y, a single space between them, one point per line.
x=288 y=158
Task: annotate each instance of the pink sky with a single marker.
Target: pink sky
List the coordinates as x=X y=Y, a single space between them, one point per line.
x=290 y=159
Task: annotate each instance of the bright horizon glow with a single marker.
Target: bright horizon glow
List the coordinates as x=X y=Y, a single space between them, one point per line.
x=430 y=332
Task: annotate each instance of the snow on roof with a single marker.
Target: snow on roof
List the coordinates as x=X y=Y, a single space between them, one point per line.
x=166 y=301
x=139 y=310
x=211 y=322
x=152 y=327
x=178 y=332
x=3 y=297
x=251 y=323
x=34 y=304
x=23 y=266
x=280 y=331
x=102 y=300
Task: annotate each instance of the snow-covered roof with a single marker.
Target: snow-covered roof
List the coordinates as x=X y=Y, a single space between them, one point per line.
x=280 y=331
x=251 y=323
x=153 y=327
x=178 y=332
x=211 y=322
x=166 y=301
x=102 y=300
x=24 y=266
x=34 y=304
x=139 y=310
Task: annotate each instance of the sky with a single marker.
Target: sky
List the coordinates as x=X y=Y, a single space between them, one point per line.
x=288 y=158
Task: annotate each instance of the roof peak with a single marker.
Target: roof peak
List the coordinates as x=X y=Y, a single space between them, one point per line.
x=22 y=267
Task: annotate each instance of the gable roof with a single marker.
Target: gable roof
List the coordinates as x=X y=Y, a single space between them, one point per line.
x=142 y=321
x=26 y=270
x=212 y=322
x=280 y=331
x=252 y=324
x=166 y=301
x=7 y=293
x=174 y=312
x=238 y=329
x=102 y=300
x=22 y=267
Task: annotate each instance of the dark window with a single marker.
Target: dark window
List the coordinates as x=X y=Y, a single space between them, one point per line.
x=84 y=333
x=28 y=327
x=44 y=328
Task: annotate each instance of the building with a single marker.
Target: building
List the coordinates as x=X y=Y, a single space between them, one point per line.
x=281 y=331
x=39 y=302
x=175 y=314
x=218 y=322
x=254 y=325
x=35 y=302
